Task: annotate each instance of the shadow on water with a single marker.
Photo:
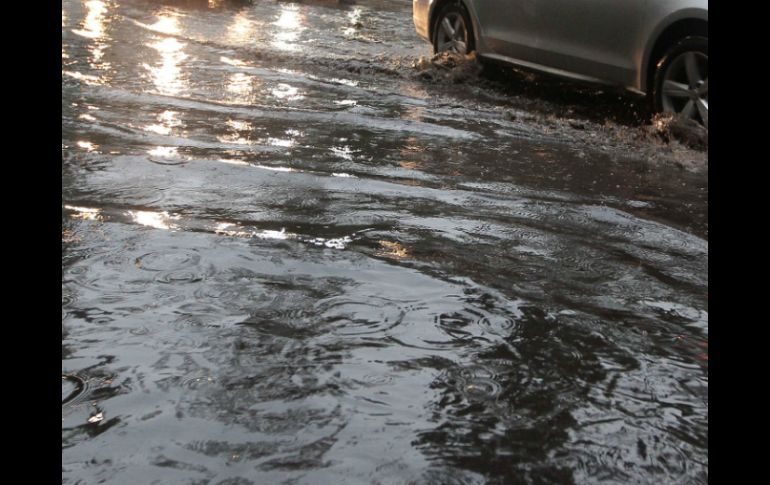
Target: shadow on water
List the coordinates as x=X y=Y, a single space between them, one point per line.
x=569 y=98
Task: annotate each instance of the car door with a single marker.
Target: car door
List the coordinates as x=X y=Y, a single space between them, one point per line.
x=592 y=38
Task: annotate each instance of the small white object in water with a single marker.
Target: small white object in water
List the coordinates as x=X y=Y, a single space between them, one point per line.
x=96 y=418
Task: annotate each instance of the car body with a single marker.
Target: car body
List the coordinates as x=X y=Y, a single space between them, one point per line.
x=620 y=42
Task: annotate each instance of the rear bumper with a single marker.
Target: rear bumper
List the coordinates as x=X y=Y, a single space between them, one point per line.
x=421 y=17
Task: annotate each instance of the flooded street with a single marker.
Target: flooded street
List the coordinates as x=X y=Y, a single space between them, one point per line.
x=294 y=250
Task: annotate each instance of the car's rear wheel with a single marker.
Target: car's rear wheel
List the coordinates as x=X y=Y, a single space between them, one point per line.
x=452 y=30
x=682 y=80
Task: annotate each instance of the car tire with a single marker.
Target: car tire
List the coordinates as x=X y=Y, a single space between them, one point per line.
x=458 y=35
x=681 y=80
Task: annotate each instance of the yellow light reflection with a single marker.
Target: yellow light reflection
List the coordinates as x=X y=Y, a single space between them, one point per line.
x=86 y=78
x=227 y=229
x=355 y=23
x=240 y=125
x=159 y=129
x=164 y=152
x=168 y=75
x=242 y=30
x=94 y=27
x=85 y=213
x=290 y=26
x=157 y=220
x=393 y=249
x=232 y=62
x=167 y=121
x=94 y=23
x=286 y=92
x=240 y=87
x=235 y=137
x=167 y=23
x=87 y=145
x=410 y=165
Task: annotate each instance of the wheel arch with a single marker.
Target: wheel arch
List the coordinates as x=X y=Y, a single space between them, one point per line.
x=435 y=8
x=677 y=26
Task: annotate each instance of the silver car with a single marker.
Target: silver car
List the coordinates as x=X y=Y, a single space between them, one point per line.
x=654 y=47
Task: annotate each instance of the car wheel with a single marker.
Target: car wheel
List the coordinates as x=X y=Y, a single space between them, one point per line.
x=682 y=80
x=453 y=31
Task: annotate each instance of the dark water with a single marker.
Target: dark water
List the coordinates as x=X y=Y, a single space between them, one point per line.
x=290 y=256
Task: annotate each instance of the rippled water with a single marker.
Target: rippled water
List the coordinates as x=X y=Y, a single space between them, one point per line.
x=290 y=257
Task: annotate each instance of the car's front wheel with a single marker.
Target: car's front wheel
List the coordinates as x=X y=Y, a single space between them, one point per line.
x=452 y=30
x=682 y=80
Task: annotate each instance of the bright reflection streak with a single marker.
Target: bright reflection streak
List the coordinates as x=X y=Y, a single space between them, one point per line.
x=85 y=213
x=237 y=127
x=86 y=78
x=229 y=229
x=159 y=129
x=240 y=125
x=232 y=62
x=286 y=92
x=93 y=25
x=234 y=162
x=242 y=30
x=240 y=85
x=168 y=75
x=167 y=121
x=158 y=220
x=343 y=152
x=167 y=23
x=164 y=152
x=263 y=167
x=289 y=25
x=410 y=165
x=281 y=142
x=393 y=250
x=275 y=169
x=87 y=145
x=354 y=16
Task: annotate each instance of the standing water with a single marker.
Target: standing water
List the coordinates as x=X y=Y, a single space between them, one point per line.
x=291 y=256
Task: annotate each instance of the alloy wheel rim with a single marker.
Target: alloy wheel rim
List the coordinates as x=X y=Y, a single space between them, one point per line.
x=685 y=87
x=452 y=34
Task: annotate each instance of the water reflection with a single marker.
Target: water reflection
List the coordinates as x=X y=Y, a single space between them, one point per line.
x=87 y=145
x=290 y=24
x=156 y=220
x=290 y=256
x=240 y=132
x=167 y=76
x=95 y=21
x=94 y=28
x=168 y=121
x=242 y=30
x=240 y=88
x=286 y=92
